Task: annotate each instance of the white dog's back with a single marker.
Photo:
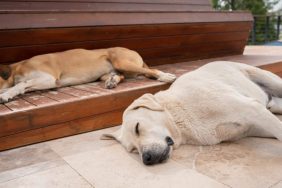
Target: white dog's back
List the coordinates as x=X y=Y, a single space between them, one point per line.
x=218 y=95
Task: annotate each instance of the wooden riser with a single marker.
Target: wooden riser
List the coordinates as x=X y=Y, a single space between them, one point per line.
x=46 y=115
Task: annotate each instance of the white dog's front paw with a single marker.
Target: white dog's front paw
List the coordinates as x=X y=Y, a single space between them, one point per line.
x=4 y=98
x=166 y=77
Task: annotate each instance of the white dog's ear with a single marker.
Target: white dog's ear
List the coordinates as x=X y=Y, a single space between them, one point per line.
x=117 y=136
x=112 y=136
x=5 y=72
x=146 y=101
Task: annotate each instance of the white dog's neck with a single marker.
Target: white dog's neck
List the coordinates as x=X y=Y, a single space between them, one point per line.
x=183 y=121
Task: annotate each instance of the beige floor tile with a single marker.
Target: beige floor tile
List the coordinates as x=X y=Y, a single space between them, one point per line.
x=26 y=160
x=113 y=167
x=61 y=177
x=81 y=143
x=250 y=162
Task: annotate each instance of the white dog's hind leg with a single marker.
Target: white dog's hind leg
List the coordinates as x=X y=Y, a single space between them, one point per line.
x=263 y=122
x=275 y=105
x=46 y=81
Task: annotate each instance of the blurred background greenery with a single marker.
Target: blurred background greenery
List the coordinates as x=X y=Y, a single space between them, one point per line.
x=267 y=17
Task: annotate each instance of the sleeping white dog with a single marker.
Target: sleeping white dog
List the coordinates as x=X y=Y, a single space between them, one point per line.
x=220 y=101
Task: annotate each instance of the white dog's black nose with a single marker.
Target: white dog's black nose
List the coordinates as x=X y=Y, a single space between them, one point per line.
x=169 y=141
x=147 y=158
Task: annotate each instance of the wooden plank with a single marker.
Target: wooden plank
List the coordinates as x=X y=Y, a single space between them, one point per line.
x=58 y=96
x=62 y=129
x=200 y=2
x=190 y=51
x=4 y=109
x=36 y=20
x=95 y=88
x=74 y=92
x=62 y=112
x=37 y=99
x=61 y=35
x=14 y=54
x=18 y=104
x=195 y=57
x=54 y=7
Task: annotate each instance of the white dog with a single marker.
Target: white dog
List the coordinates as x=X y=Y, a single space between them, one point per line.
x=221 y=101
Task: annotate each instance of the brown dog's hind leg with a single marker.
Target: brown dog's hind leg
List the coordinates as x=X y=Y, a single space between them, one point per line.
x=129 y=67
x=112 y=79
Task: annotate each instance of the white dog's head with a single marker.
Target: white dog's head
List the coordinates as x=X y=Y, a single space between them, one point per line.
x=147 y=128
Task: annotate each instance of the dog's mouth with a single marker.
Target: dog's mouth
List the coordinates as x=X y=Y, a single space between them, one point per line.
x=150 y=158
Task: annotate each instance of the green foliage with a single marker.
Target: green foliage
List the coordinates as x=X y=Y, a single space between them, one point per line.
x=260 y=8
x=257 y=7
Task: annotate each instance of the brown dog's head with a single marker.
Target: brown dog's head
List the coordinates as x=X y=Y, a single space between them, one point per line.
x=5 y=73
x=148 y=129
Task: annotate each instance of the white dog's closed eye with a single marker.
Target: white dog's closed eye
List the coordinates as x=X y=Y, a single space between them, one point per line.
x=137 y=132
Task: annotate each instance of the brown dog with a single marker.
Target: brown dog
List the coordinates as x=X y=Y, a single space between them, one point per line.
x=73 y=67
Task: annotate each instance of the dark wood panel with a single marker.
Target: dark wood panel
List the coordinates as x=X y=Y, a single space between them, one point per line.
x=36 y=20
x=201 y=2
x=190 y=50
x=13 y=54
x=195 y=57
x=61 y=130
x=60 y=35
x=60 y=113
x=53 y=7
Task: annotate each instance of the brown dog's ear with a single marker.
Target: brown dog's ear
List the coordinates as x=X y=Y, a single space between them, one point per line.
x=5 y=71
x=146 y=101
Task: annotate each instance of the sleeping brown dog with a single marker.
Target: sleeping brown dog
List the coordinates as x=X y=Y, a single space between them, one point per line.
x=73 y=67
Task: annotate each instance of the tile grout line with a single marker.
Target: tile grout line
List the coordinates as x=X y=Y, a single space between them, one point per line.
x=79 y=174
x=275 y=184
x=194 y=167
x=61 y=157
x=31 y=173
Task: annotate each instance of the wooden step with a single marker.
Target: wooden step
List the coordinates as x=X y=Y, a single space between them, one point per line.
x=45 y=115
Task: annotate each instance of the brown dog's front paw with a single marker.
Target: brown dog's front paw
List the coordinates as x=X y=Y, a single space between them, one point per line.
x=4 y=98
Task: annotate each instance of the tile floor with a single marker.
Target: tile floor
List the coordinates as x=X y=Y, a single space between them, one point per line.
x=86 y=161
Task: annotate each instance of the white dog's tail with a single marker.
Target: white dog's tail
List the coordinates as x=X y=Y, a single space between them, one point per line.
x=269 y=82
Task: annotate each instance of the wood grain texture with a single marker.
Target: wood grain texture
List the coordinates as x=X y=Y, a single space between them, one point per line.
x=43 y=20
x=147 y=47
x=62 y=129
x=199 y=2
x=54 y=7
x=24 y=37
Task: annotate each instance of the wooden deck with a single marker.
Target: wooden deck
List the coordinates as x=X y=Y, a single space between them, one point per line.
x=45 y=115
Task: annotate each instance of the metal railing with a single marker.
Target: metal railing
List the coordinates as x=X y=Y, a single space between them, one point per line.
x=265 y=29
